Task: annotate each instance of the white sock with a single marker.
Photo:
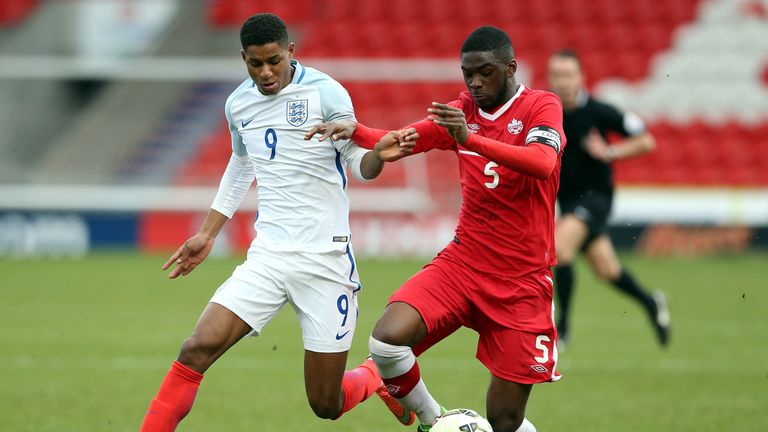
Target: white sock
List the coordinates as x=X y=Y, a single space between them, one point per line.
x=422 y=403
x=526 y=426
x=394 y=361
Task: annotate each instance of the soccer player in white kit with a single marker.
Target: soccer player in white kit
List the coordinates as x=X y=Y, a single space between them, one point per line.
x=301 y=254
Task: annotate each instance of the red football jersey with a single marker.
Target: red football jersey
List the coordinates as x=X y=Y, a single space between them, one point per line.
x=507 y=219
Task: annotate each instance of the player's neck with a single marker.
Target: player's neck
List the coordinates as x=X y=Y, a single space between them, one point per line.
x=510 y=92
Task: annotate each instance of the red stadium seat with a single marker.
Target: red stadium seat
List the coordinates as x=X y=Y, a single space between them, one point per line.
x=234 y=12
x=614 y=39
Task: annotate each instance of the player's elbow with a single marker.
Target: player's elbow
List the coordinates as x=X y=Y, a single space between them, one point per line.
x=367 y=168
x=542 y=171
x=364 y=176
x=543 y=175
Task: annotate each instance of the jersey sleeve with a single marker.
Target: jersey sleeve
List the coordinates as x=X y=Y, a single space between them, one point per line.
x=432 y=137
x=546 y=123
x=535 y=160
x=335 y=101
x=352 y=154
x=238 y=147
x=234 y=185
x=626 y=123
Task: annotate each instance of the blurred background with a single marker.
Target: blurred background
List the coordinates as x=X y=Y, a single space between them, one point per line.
x=112 y=131
x=113 y=140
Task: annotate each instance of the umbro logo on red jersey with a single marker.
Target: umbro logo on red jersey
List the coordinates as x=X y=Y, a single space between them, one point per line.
x=515 y=126
x=473 y=127
x=539 y=368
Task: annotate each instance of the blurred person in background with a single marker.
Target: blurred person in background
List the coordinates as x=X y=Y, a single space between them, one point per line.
x=586 y=192
x=302 y=252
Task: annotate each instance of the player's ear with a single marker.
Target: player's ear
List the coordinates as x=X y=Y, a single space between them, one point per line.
x=242 y=54
x=511 y=67
x=291 y=48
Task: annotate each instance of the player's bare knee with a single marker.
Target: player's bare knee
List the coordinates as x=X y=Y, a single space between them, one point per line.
x=325 y=407
x=607 y=273
x=388 y=333
x=565 y=254
x=194 y=354
x=505 y=420
x=564 y=258
x=400 y=325
x=382 y=334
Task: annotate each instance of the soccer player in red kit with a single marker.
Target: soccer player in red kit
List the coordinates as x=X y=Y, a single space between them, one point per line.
x=494 y=277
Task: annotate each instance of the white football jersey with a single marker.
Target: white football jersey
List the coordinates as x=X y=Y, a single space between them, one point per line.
x=301 y=184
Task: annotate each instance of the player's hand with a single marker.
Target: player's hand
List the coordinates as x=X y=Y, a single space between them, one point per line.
x=396 y=145
x=452 y=119
x=189 y=255
x=336 y=130
x=597 y=147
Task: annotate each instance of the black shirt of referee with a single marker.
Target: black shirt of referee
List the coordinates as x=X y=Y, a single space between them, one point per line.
x=581 y=171
x=586 y=178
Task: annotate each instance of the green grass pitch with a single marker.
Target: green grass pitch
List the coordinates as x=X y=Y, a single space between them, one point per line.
x=85 y=343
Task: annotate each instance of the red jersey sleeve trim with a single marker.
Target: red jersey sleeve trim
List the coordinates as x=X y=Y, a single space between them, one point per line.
x=536 y=160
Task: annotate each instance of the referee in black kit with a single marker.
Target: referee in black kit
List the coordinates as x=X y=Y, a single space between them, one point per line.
x=586 y=191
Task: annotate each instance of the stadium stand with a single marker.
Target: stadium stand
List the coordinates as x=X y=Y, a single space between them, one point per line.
x=626 y=47
x=696 y=71
x=629 y=30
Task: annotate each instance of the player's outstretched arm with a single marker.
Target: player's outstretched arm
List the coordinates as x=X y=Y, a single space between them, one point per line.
x=630 y=147
x=393 y=146
x=196 y=249
x=396 y=145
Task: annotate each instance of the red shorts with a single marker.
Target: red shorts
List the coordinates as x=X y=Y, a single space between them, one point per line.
x=513 y=316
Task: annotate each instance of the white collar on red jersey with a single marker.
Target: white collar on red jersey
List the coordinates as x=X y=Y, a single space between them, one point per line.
x=503 y=108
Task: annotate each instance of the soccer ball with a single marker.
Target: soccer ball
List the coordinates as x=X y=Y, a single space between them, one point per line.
x=461 y=420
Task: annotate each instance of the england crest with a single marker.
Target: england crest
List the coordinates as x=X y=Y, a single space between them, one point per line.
x=296 y=112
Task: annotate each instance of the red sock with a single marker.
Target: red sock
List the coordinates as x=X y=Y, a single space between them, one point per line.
x=401 y=385
x=359 y=384
x=173 y=400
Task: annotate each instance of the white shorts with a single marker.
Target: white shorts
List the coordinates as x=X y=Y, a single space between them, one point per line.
x=321 y=287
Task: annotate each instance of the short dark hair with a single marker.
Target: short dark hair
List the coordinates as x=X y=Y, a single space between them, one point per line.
x=490 y=39
x=569 y=54
x=263 y=28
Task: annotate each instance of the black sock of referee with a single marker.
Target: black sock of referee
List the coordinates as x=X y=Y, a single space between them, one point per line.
x=564 y=288
x=626 y=284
